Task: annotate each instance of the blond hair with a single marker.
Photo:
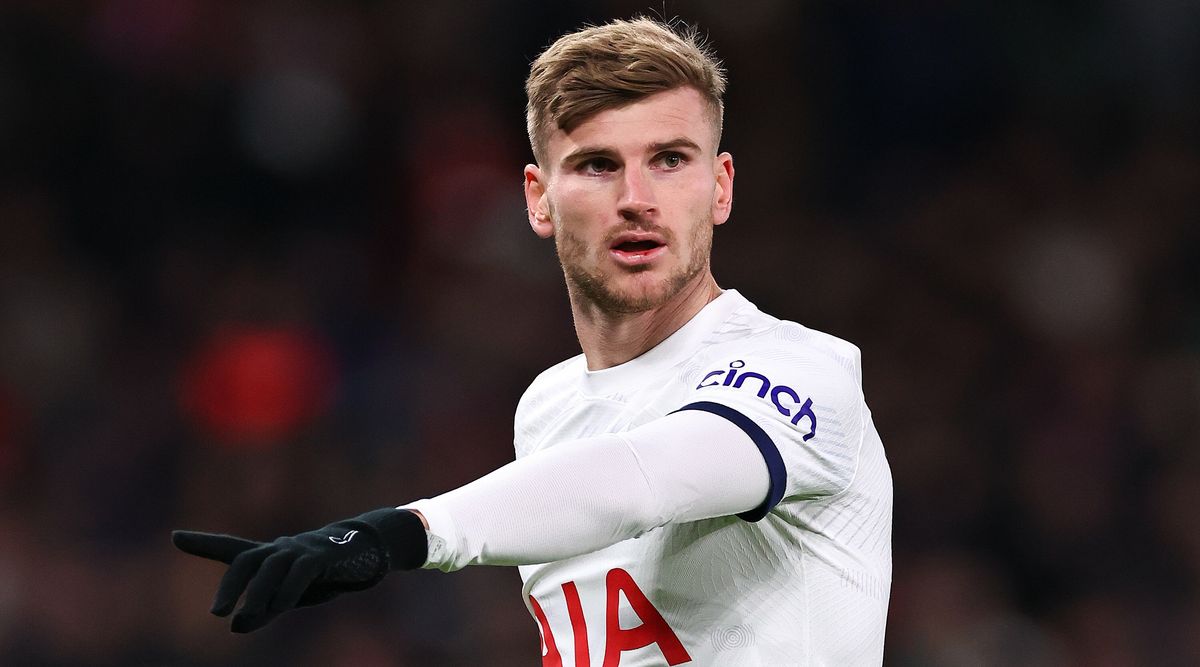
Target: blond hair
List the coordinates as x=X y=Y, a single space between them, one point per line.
x=610 y=66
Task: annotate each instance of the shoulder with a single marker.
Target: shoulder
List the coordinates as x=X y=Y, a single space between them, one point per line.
x=787 y=349
x=565 y=371
x=552 y=383
x=820 y=348
x=750 y=330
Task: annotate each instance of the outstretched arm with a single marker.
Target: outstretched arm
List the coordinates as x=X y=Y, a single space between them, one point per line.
x=569 y=500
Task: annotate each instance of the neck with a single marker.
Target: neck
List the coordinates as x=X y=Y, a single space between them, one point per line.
x=610 y=339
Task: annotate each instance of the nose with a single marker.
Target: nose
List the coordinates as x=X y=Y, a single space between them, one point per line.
x=637 y=195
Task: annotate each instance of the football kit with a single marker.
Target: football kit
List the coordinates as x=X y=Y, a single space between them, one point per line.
x=722 y=499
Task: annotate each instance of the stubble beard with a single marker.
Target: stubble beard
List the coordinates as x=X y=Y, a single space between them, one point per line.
x=607 y=295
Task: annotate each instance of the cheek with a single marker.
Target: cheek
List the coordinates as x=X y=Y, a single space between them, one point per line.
x=574 y=203
x=579 y=214
x=698 y=205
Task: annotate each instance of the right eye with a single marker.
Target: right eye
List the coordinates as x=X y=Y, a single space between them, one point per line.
x=598 y=165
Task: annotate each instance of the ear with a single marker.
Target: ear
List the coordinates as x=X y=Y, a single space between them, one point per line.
x=536 y=204
x=723 y=190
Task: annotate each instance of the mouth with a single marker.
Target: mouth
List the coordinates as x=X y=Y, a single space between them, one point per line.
x=637 y=249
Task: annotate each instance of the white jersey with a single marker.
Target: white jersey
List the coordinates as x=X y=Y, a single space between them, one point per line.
x=802 y=580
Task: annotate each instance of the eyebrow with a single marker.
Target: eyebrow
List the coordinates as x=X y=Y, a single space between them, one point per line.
x=586 y=152
x=678 y=142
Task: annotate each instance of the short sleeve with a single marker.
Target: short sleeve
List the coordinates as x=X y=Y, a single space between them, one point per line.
x=803 y=410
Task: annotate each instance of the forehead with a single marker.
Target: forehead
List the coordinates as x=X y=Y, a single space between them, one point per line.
x=672 y=114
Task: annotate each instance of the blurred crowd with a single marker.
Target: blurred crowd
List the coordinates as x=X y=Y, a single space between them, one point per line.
x=265 y=265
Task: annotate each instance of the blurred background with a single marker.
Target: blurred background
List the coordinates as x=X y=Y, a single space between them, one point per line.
x=264 y=265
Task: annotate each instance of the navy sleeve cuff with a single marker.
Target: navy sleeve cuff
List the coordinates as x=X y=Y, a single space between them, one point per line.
x=770 y=453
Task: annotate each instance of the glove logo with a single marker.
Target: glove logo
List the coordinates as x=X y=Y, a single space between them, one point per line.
x=344 y=539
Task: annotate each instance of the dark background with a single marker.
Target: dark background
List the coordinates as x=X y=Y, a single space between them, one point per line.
x=264 y=265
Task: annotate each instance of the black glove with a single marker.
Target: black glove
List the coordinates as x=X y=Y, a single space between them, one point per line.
x=309 y=568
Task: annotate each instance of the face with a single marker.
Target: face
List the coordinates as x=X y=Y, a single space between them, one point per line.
x=630 y=197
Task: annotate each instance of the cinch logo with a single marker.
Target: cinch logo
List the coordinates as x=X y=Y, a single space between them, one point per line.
x=735 y=379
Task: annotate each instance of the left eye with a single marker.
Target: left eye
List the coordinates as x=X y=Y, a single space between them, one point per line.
x=672 y=160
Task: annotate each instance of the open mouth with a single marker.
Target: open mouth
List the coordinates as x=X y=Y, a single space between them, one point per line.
x=637 y=246
x=637 y=251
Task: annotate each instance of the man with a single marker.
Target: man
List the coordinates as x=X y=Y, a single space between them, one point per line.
x=703 y=485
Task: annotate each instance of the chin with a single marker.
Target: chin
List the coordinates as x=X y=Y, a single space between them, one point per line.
x=628 y=294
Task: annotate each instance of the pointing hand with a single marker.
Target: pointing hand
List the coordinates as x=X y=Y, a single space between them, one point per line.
x=309 y=568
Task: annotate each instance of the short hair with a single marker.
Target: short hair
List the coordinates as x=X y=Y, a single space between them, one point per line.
x=613 y=65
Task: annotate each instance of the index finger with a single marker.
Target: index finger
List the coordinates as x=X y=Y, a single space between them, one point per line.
x=211 y=545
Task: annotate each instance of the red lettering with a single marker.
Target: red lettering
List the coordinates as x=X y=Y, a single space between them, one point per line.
x=578 y=625
x=550 y=654
x=653 y=630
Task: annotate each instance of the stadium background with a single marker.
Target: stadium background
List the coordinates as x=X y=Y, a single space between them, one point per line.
x=264 y=265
